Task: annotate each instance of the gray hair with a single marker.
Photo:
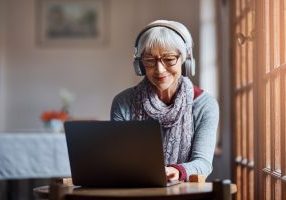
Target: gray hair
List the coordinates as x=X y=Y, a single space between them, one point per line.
x=164 y=37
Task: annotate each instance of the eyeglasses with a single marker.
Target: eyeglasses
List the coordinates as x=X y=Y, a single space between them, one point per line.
x=166 y=60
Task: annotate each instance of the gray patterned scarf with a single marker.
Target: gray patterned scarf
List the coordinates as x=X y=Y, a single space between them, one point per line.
x=176 y=120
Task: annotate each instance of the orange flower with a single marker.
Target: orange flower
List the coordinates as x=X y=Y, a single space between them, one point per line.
x=49 y=115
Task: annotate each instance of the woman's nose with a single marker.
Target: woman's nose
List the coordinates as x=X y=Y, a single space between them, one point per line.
x=160 y=67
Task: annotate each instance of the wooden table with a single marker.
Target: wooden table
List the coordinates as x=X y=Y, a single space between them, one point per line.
x=185 y=190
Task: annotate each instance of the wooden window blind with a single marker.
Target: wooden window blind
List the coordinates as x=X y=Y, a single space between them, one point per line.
x=259 y=102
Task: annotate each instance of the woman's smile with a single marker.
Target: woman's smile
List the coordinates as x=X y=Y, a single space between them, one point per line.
x=162 y=78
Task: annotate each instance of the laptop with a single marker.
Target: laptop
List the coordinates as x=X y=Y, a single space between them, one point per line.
x=116 y=154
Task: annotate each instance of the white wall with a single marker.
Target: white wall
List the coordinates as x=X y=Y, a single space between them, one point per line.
x=208 y=48
x=35 y=74
x=2 y=64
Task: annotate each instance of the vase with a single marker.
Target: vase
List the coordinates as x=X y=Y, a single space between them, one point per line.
x=54 y=126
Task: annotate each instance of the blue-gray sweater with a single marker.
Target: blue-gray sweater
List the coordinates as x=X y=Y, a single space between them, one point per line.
x=205 y=118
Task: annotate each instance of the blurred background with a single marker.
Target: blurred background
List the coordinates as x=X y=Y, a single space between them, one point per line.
x=43 y=71
x=63 y=59
x=34 y=70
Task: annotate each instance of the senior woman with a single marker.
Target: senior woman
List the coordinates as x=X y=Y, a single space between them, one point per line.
x=188 y=115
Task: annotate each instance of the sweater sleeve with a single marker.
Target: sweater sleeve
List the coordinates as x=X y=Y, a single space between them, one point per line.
x=116 y=112
x=204 y=141
x=120 y=108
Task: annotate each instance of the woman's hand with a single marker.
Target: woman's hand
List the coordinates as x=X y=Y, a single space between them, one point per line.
x=172 y=174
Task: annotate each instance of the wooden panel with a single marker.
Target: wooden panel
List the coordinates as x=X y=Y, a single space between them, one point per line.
x=267 y=187
x=282 y=31
x=250 y=192
x=244 y=145
x=283 y=188
x=238 y=58
x=271 y=35
x=277 y=191
x=238 y=50
x=283 y=7
x=283 y=123
x=283 y=91
x=250 y=127
x=276 y=33
x=244 y=183
x=266 y=142
x=250 y=58
x=237 y=8
x=239 y=182
x=267 y=35
x=272 y=126
x=238 y=126
x=243 y=53
x=259 y=97
x=277 y=124
x=283 y=138
x=243 y=5
x=244 y=125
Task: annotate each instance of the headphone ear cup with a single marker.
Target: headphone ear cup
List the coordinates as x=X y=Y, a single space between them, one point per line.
x=138 y=67
x=193 y=67
x=187 y=67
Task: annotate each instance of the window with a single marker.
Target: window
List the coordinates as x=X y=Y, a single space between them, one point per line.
x=259 y=103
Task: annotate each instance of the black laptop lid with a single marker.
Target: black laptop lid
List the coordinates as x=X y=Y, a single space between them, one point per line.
x=115 y=153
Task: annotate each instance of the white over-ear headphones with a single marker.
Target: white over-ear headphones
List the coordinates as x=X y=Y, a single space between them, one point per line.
x=188 y=67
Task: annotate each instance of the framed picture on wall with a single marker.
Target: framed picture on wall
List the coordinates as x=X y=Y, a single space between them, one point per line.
x=72 y=23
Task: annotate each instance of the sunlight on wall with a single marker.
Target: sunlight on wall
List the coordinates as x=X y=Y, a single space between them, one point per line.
x=208 y=48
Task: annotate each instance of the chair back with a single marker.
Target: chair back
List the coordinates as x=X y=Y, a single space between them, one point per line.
x=222 y=189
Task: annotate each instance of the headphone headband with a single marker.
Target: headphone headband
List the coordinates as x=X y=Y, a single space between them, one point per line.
x=159 y=24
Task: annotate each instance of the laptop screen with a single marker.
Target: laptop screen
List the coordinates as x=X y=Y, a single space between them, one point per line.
x=115 y=153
